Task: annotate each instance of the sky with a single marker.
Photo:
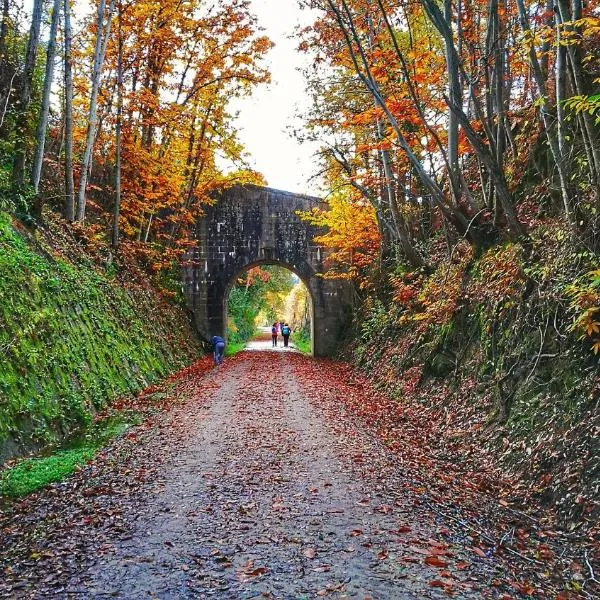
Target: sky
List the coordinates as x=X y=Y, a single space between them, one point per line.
x=265 y=119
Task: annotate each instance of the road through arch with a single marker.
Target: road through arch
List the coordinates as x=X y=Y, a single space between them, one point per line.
x=251 y=225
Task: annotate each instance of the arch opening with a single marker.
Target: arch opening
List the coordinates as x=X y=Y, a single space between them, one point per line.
x=262 y=294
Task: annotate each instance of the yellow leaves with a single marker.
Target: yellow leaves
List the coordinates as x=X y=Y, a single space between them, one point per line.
x=352 y=235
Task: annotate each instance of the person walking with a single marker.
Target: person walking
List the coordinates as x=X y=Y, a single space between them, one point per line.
x=285 y=332
x=219 y=349
x=274 y=335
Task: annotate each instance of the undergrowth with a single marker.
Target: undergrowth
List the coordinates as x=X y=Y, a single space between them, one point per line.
x=301 y=339
x=507 y=347
x=31 y=474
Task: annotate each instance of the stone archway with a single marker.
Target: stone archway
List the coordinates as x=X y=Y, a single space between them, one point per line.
x=251 y=225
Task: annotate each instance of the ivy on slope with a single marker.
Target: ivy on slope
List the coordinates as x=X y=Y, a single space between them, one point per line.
x=71 y=340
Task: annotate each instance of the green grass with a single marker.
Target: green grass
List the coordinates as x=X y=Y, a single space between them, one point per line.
x=32 y=474
x=301 y=339
x=232 y=348
x=73 y=338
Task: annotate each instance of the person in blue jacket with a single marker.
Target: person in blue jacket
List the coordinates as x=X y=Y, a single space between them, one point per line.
x=219 y=346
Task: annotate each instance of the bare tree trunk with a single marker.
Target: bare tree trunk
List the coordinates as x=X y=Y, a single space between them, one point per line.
x=487 y=155
x=117 y=206
x=18 y=173
x=38 y=157
x=103 y=32
x=69 y=203
x=455 y=95
x=546 y=116
x=437 y=195
x=589 y=132
x=4 y=29
x=559 y=76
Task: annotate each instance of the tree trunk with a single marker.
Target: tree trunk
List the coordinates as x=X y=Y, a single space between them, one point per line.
x=18 y=173
x=38 y=157
x=546 y=116
x=589 y=131
x=103 y=32
x=455 y=95
x=69 y=203
x=117 y=205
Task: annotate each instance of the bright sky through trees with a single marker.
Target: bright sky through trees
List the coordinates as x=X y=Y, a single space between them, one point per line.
x=267 y=117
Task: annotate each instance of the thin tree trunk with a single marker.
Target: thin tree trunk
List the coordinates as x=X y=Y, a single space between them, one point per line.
x=559 y=76
x=4 y=29
x=38 y=157
x=455 y=95
x=487 y=155
x=546 y=116
x=117 y=206
x=69 y=203
x=589 y=131
x=18 y=173
x=103 y=32
x=437 y=195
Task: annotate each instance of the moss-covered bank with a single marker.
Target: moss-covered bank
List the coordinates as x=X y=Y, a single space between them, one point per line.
x=73 y=337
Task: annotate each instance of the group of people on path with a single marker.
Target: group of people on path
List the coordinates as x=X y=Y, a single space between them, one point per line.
x=282 y=328
x=285 y=331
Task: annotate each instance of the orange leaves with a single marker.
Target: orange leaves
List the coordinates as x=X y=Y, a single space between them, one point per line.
x=435 y=561
x=182 y=65
x=499 y=276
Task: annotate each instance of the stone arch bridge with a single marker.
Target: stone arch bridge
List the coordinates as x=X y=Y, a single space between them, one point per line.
x=251 y=225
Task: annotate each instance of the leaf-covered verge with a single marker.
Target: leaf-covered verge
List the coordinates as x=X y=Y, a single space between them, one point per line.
x=75 y=334
x=499 y=351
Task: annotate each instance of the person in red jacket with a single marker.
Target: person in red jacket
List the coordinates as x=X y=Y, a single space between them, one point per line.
x=274 y=334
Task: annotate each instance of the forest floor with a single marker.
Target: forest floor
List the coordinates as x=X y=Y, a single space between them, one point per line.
x=258 y=480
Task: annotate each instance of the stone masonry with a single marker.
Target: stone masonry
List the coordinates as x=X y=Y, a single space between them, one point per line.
x=251 y=225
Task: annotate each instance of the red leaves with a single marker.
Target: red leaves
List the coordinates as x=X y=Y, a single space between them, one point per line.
x=436 y=561
x=249 y=571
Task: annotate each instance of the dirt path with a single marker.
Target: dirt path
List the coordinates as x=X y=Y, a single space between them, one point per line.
x=256 y=485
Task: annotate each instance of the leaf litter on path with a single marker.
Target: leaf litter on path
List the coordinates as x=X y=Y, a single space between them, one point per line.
x=244 y=484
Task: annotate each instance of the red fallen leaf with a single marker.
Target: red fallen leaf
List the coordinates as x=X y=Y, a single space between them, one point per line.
x=503 y=502
x=479 y=552
x=462 y=565
x=446 y=574
x=383 y=554
x=436 y=583
x=363 y=502
x=356 y=532
x=523 y=588
x=403 y=529
x=310 y=553
x=435 y=561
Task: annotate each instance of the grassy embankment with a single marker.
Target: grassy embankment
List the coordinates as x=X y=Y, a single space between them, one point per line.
x=74 y=336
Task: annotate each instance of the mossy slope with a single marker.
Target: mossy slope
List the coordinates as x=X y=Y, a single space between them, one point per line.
x=73 y=338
